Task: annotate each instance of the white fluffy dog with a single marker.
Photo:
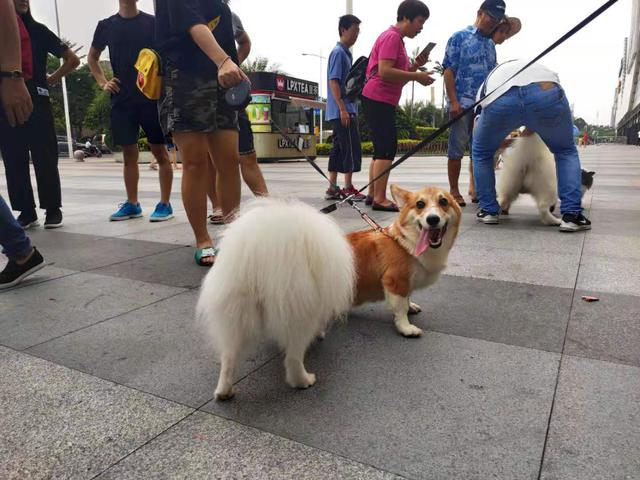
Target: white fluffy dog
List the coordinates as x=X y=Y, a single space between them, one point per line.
x=529 y=167
x=271 y=255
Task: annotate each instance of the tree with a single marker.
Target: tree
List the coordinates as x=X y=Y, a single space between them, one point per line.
x=82 y=91
x=580 y=123
x=98 y=115
x=261 y=64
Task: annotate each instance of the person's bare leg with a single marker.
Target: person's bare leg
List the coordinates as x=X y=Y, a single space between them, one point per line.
x=348 y=179
x=454 y=167
x=333 y=178
x=223 y=147
x=252 y=175
x=194 y=183
x=380 y=187
x=131 y=172
x=472 y=186
x=173 y=155
x=211 y=187
x=166 y=171
x=371 y=191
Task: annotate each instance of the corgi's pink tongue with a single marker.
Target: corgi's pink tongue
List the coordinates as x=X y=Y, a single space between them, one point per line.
x=423 y=242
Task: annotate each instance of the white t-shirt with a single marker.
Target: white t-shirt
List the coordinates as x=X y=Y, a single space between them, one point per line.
x=534 y=74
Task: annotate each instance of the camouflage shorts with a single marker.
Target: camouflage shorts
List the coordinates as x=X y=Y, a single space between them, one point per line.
x=194 y=104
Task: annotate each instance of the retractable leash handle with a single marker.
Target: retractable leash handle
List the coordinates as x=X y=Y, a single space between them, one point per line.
x=447 y=125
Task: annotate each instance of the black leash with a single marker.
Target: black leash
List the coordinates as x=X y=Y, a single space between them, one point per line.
x=447 y=125
x=372 y=223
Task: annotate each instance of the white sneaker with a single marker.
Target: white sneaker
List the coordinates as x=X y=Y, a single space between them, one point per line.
x=487 y=218
x=574 y=223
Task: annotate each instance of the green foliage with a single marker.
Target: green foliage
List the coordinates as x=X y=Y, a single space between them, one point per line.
x=424 y=132
x=261 y=64
x=82 y=90
x=143 y=145
x=580 y=123
x=97 y=117
x=405 y=125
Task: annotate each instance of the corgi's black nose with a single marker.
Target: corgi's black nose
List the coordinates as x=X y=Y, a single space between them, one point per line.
x=433 y=220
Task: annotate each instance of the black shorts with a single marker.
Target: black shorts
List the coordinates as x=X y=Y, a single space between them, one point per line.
x=245 y=146
x=128 y=118
x=346 y=152
x=381 y=118
x=194 y=104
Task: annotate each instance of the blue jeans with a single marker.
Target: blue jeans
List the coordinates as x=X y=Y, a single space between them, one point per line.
x=547 y=113
x=13 y=240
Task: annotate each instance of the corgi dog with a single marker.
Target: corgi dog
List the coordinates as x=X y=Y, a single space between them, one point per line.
x=286 y=271
x=530 y=167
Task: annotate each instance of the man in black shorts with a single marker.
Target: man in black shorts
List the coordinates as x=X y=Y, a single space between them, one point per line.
x=126 y=33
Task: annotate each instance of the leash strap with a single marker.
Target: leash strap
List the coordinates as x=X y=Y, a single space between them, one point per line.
x=448 y=124
x=349 y=199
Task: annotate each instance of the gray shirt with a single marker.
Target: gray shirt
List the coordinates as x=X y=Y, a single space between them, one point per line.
x=238 y=28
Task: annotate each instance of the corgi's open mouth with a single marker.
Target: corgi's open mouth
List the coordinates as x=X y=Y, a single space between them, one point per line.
x=429 y=237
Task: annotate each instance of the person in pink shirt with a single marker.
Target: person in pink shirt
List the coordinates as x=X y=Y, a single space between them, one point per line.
x=388 y=72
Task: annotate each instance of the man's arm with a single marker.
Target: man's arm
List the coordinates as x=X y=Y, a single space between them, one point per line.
x=244 y=47
x=70 y=62
x=334 y=85
x=93 y=60
x=450 y=87
x=14 y=95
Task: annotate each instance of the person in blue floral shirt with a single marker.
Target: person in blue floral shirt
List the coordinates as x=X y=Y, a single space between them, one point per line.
x=469 y=57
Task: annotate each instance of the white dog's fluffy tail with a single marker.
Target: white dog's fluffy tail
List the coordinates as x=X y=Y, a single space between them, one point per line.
x=284 y=271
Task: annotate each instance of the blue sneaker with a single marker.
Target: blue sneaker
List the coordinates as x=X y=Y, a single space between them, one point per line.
x=162 y=213
x=127 y=211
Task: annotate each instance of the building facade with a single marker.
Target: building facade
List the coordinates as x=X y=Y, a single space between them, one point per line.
x=626 y=106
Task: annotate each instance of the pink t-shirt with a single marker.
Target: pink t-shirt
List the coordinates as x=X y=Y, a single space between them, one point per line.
x=388 y=46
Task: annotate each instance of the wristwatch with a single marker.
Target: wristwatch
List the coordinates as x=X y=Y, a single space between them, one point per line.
x=13 y=74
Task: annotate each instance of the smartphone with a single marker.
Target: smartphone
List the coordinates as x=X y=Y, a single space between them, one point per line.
x=428 y=48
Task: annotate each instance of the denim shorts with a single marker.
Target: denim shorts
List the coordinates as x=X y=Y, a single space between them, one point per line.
x=460 y=136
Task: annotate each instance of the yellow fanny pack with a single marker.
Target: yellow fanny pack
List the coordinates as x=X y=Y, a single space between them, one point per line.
x=149 y=80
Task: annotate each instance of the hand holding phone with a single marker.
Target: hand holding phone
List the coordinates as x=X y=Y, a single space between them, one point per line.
x=423 y=57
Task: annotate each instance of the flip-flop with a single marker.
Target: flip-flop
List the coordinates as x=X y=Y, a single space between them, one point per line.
x=384 y=208
x=368 y=201
x=216 y=219
x=207 y=252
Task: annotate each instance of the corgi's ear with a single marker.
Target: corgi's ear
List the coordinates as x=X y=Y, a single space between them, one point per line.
x=591 y=173
x=400 y=196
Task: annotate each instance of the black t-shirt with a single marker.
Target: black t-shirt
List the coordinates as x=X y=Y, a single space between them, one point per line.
x=174 y=18
x=125 y=37
x=43 y=43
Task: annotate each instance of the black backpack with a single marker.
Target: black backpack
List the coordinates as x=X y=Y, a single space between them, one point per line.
x=356 y=79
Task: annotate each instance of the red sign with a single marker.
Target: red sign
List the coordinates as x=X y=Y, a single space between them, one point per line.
x=280 y=83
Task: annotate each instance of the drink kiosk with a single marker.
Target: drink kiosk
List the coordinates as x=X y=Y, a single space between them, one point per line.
x=286 y=104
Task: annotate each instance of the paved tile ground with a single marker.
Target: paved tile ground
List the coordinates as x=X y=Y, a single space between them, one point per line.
x=103 y=373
